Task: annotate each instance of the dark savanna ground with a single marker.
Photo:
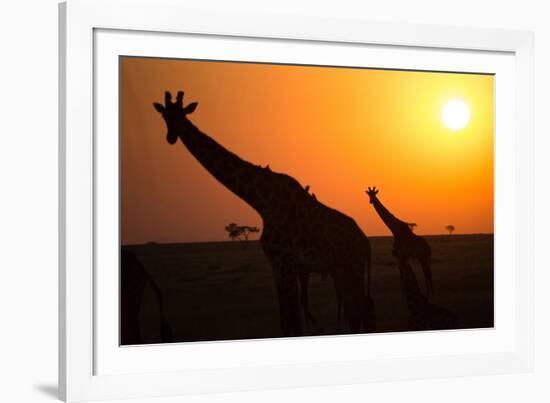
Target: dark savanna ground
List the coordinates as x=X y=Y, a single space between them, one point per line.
x=225 y=290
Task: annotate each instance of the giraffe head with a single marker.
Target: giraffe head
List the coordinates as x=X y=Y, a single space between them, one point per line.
x=372 y=192
x=175 y=115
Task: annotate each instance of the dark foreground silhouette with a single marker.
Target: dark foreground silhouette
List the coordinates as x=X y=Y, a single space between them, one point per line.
x=133 y=280
x=300 y=235
x=222 y=291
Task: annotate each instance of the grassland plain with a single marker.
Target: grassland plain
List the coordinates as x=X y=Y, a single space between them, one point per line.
x=225 y=290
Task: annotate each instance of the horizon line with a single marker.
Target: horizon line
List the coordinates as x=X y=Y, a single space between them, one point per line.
x=256 y=240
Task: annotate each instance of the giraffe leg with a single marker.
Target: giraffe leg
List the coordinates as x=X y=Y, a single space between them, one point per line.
x=353 y=309
x=425 y=264
x=338 y=305
x=286 y=281
x=304 y=299
x=401 y=263
x=351 y=293
x=339 y=314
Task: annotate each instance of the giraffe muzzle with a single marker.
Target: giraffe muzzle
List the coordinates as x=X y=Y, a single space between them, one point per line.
x=171 y=138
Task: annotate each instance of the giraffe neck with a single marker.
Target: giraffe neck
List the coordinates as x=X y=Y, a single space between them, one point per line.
x=395 y=225
x=236 y=174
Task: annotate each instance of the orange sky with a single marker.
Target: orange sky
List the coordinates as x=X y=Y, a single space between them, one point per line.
x=338 y=130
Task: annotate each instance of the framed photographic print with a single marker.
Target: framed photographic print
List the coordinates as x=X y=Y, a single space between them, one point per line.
x=272 y=201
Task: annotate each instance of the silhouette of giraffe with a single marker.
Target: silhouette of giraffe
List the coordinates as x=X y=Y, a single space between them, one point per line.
x=423 y=315
x=300 y=235
x=133 y=279
x=406 y=243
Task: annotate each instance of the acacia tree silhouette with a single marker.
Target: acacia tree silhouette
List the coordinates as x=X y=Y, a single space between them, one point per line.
x=236 y=231
x=233 y=230
x=300 y=235
x=450 y=228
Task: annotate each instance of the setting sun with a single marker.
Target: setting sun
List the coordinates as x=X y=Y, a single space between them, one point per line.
x=456 y=114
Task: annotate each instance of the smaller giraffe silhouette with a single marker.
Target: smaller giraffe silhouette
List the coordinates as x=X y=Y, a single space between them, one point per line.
x=406 y=243
x=423 y=315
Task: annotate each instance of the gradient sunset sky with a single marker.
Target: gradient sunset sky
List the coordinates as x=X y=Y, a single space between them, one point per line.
x=338 y=130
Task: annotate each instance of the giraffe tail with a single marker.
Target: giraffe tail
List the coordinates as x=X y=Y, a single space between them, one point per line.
x=369 y=316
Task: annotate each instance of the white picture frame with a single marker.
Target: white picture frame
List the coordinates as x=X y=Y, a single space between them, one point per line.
x=81 y=374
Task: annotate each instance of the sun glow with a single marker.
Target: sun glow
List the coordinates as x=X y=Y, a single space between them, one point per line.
x=456 y=114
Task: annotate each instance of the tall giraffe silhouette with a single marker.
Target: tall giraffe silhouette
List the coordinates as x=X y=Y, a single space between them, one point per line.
x=406 y=243
x=300 y=235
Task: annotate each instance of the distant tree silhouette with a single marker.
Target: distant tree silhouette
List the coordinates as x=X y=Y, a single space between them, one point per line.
x=246 y=230
x=450 y=228
x=413 y=226
x=233 y=230
x=237 y=231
